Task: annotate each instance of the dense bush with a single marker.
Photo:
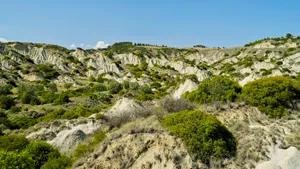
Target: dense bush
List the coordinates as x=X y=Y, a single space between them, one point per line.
x=30 y=98
x=24 y=122
x=58 y=163
x=41 y=152
x=5 y=123
x=5 y=89
x=76 y=112
x=15 y=109
x=56 y=114
x=51 y=97
x=13 y=160
x=204 y=135
x=219 y=88
x=114 y=87
x=18 y=152
x=273 y=95
x=6 y=102
x=13 y=143
x=62 y=99
x=48 y=71
x=52 y=87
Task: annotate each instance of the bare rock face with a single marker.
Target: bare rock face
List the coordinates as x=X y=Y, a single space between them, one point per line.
x=283 y=159
x=264 y=45
x=126 y=107
x=66 y=134
x=140 y=150
x=188 y=85
x=68 y=139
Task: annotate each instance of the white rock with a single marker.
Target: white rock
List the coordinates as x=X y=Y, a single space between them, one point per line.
x=283 y=159
x=188 y=85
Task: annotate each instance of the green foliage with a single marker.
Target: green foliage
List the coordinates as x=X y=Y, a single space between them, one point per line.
x=99 y=137
x=13 y=143
x=56 y=114
x=52 y=87
x=246 y=61
x=83 y=149
x=24 y=122
x=289 y=36
x=5 y=122
x=5 y=89
x=30 y=98
x=219 y=88
x=99 y=87
x=40 y=152
x=62 y=99
x=204 y=135
x=58 y=163
x=68 y=85
x=272 y=95
x=28 y=93
x=48 y=71
x=92 y=78
x=114 y=87
x=15 y=109
x=76 y=112
x=14 y=160
x=6 y=102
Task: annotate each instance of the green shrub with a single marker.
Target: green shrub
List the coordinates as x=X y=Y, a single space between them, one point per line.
x=5 y=122
x=272 y=95
x=13 y=143
x=68 y=85
x=52 y=87
x=58 y=163
x=76 y=112
x=48 y=71
x=81 y=150
x=99 y=137
x=204 y=135
x=54 y=115
x=219 y=88
x=15 y=160
x=103 y=97
x=5 y=89
x=62 y=99
x=24 y=122
x=15 y=109
x=29 y=97
x=6 y=102
x=99 y=88
x=92 y=78
x=40 y=152
x=114 y=87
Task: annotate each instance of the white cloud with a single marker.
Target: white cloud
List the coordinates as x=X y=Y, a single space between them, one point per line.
x=73 y=46
x=101 y=45
x=81 y=45
x=3 y=40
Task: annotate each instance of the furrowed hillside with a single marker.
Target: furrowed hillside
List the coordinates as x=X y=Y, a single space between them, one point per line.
x=142 y=106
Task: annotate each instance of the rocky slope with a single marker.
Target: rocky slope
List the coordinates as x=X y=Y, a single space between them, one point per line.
x=135 y=138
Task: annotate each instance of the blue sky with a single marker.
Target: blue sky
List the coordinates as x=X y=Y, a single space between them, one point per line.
x=174 y=23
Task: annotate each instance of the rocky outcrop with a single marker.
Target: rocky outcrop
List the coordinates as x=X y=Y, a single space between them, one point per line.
x=66 y=134
x=283 y=159
x=68 y=139
x=127 y=108
x=187 y=86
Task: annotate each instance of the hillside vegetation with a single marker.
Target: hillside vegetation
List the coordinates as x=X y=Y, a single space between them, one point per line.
x=135 y=105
